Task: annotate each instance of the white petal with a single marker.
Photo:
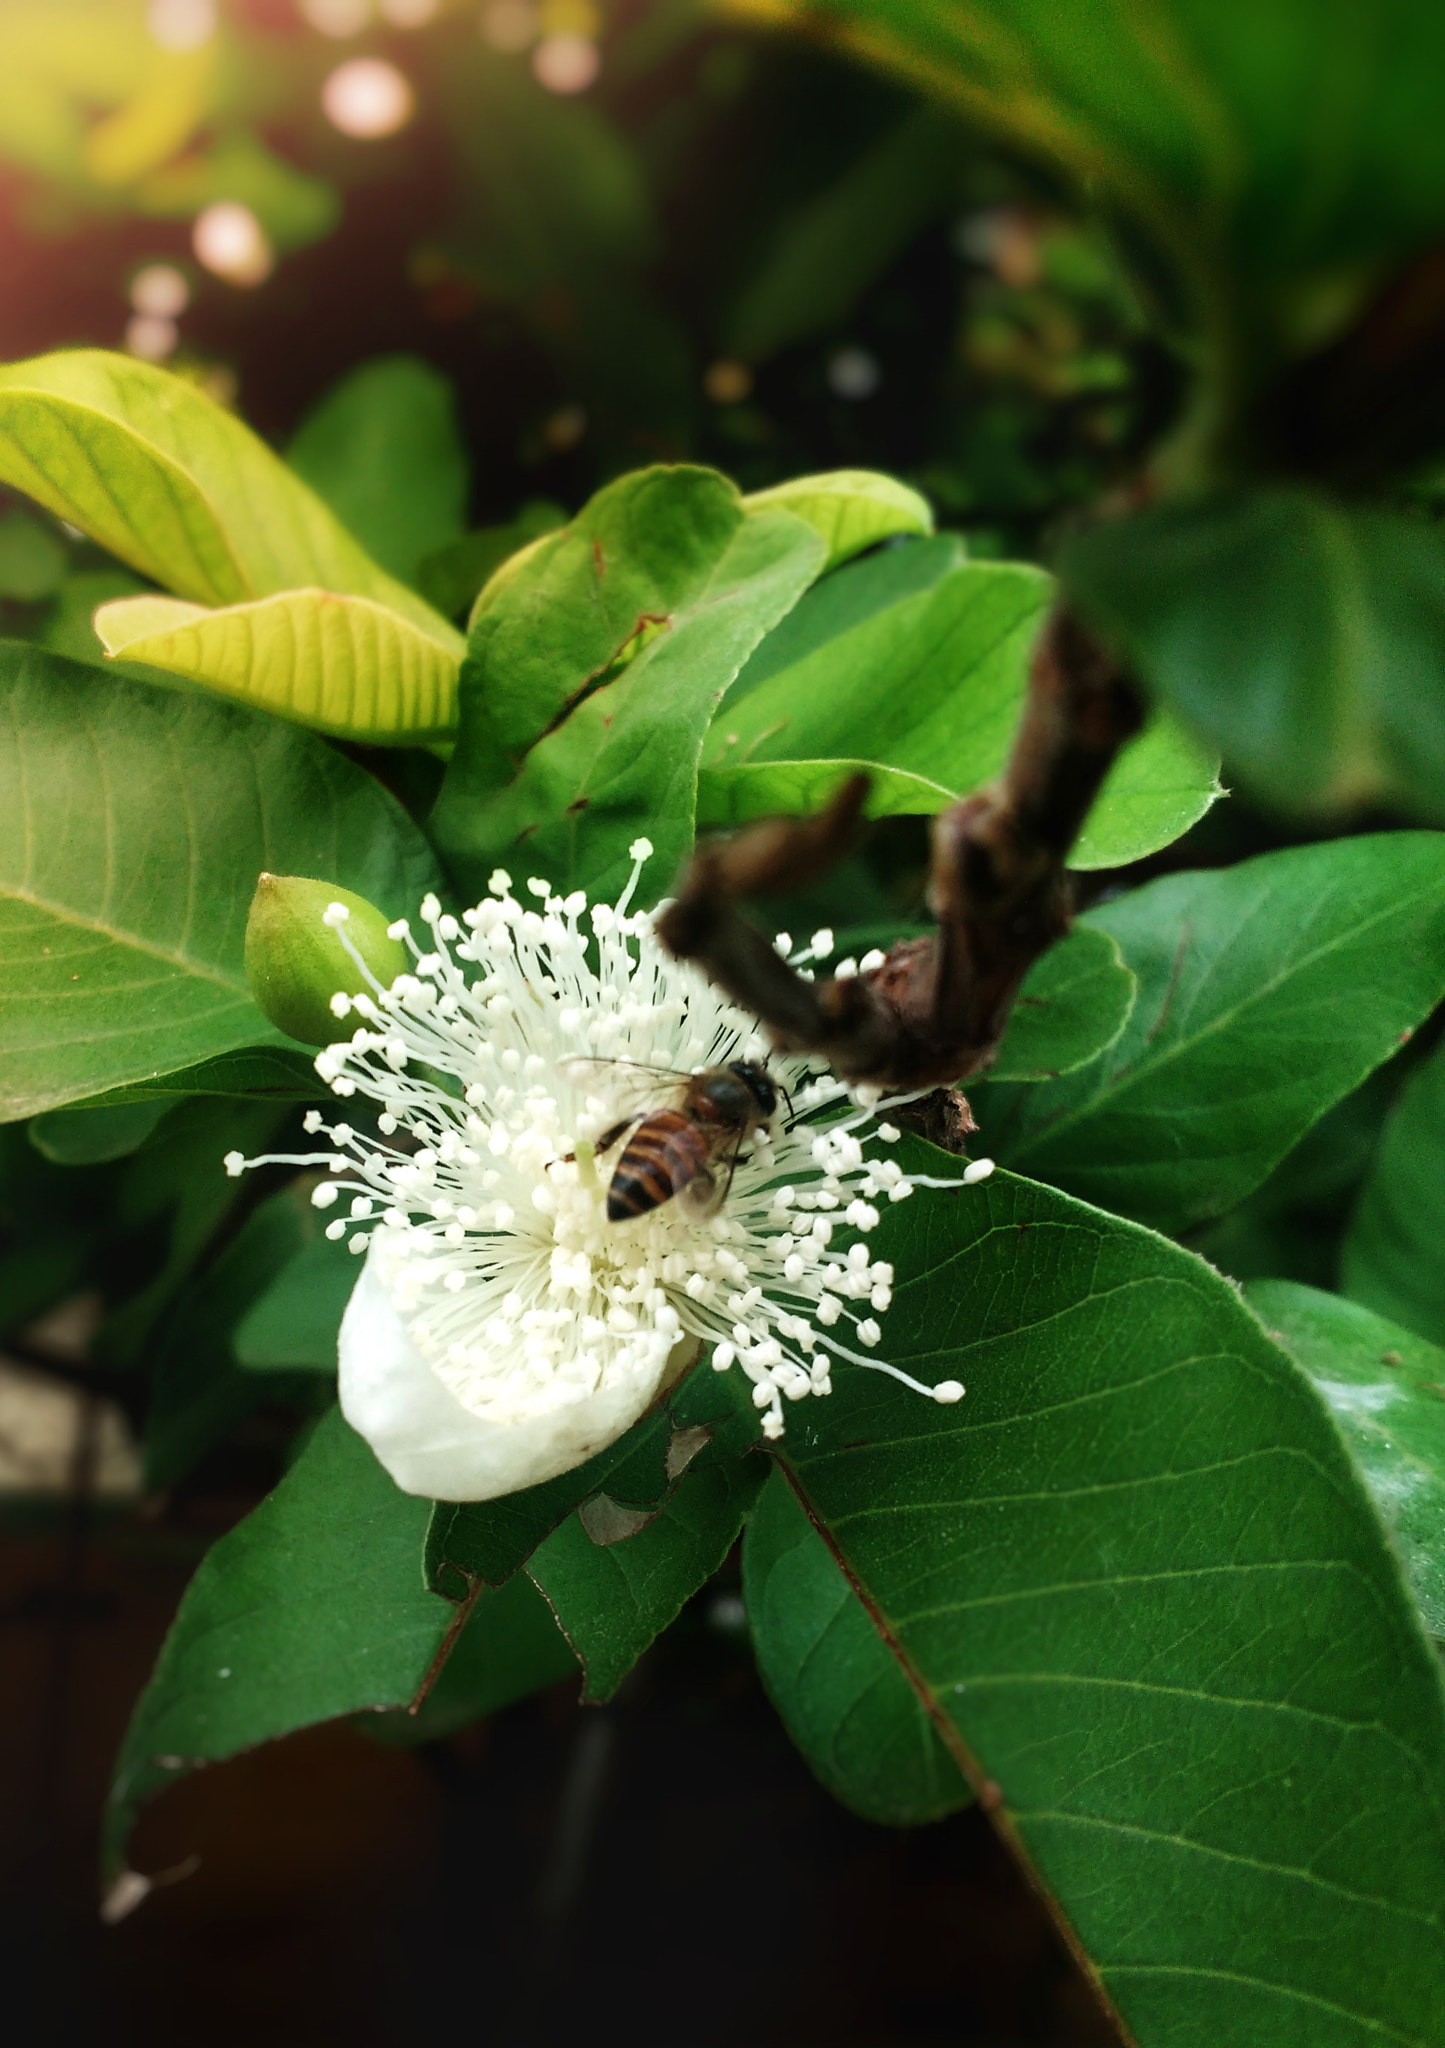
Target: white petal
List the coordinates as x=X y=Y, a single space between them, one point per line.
x=430 y=1443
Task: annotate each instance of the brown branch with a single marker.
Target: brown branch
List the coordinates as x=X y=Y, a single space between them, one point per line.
x=935 y=1010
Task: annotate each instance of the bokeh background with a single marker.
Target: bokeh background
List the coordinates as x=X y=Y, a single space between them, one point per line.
x=545 y=243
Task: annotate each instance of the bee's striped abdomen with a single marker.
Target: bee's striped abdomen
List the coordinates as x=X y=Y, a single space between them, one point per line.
x=664 y=1153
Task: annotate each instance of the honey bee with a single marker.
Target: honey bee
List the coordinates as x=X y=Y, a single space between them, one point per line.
x=681 y=1148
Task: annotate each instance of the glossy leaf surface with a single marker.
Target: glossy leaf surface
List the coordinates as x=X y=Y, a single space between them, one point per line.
x=1267 y=992
x=1385 y=1388
x=1145 y=1596
x=341 y=665
x=133 y=824
x=925 y=694
x=844 y=1697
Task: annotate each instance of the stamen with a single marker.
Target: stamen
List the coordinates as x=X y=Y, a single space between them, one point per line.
x=516 y=1042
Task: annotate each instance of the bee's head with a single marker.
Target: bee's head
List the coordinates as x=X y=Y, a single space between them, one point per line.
x=758 y=1082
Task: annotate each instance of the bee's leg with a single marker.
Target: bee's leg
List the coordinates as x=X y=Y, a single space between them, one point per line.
x=605 y=1142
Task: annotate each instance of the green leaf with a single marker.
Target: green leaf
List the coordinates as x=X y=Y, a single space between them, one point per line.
x=275 y=1073
x=825 y=255
x=614 y=1593
x=198 y=1392
x=294 y=1324
x=174 y=1194
x=594 y=667
x=341 y=665
x=1074 y=1003
x=926 y=695
x=851 y=509
x=488 y=1540
x=69 y=626
x=383 y=448
x=1385 y=1388
x=175 y=485
x=1305 y=638
x=1393 y=1257
x=133 y=824
x=1267 y=992
x=311 y=1608
x=33 y=560
x=511 y=1646
x=1162 y=783
x=451 y=578
x=90 y=1136
x=1242 y=152
x=842 y=1694
x=844 y=598
x=1147 y=1601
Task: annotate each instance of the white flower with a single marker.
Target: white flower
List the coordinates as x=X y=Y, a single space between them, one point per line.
x=503 y=1330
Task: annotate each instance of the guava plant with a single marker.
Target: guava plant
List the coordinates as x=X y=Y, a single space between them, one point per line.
x=334 y=955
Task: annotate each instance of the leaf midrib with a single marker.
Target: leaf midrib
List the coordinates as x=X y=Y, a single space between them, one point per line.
x=184 y=962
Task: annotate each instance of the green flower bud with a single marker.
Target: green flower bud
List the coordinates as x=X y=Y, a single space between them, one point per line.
x=295 y=961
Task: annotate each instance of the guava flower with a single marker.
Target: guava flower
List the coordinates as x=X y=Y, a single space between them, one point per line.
x=503 y=1329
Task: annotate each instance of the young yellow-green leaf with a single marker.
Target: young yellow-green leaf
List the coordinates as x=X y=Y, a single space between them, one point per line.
x=175 y=485
x=311 y=1608
x=1393 y=1256
x=1385 y=1388
x=852 y=509
x=1267 y=992
x=1145 y=1596
x=596 y=658
x=925 y=694
x=1074 y=1003
x=341 y=665
x=613 y=1597
x=133 y=824
x=842 y=1694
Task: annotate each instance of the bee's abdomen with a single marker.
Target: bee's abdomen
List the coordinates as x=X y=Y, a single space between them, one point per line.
x=663 y=1154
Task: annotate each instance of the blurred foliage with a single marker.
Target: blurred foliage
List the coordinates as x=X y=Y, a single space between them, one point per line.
x=728 y=249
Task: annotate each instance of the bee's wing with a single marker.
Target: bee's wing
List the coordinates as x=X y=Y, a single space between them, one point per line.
x=625 y=1085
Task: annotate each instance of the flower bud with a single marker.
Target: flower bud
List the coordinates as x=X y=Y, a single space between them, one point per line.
x=296 y=961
